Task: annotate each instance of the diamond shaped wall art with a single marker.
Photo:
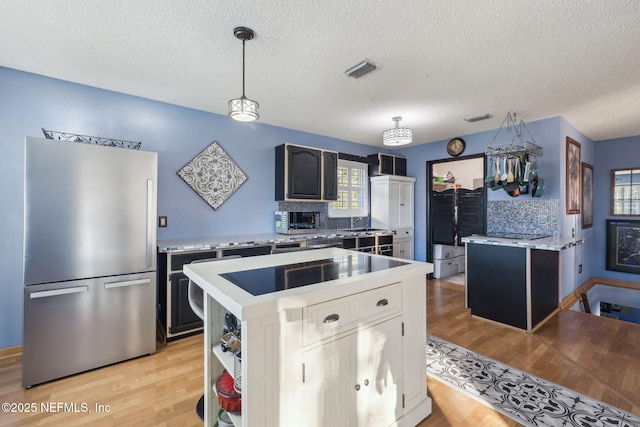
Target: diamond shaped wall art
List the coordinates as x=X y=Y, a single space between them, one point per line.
x=213 y=175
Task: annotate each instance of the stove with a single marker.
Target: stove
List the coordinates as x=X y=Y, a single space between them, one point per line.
x=265 y=280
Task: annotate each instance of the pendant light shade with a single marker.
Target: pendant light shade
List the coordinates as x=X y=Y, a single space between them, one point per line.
x=397 y=136
x=243 y=109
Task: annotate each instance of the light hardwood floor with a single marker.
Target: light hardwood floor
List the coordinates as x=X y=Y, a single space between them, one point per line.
x=596 y=356
x=592 y=355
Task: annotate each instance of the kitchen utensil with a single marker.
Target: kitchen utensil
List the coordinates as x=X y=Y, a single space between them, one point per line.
x=534 y=171
x=230 y=342
x=496 y=177
x=515 y=192
x=510 y=177
x=538 y=187
x=503 y=177
x=230 y=323
x=490 y=173
x=527 y=172
x=513 y=188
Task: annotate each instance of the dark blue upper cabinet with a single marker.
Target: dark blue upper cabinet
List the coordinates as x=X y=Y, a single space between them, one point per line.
x=305 y=173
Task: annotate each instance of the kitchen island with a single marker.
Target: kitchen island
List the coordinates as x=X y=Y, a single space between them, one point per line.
x=329 y=337
x=514 y=280
x=175 y=317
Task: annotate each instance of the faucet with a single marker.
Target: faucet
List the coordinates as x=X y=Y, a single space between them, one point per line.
x=354 y=220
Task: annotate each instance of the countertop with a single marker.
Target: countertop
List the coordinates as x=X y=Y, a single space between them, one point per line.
x=209 y=276
x=246 y=240
x=552 y=243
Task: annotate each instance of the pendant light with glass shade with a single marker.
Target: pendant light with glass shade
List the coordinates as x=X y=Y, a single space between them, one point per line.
x=243 y=109
x=397 y=136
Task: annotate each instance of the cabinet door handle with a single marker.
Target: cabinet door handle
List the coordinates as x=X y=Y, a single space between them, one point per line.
x=357 y=387
x=382 y=302
x=366 y=382
x=151 y=224
x=331 y=318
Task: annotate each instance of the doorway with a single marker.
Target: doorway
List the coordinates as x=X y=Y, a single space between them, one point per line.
x=456 y=207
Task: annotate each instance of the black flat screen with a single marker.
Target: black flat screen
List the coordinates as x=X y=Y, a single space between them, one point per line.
x=265 y=280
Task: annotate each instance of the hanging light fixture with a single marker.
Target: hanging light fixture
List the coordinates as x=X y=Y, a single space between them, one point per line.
x=243 y=109
x=397 y=136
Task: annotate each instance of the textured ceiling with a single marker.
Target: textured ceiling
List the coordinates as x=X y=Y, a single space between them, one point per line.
x=439 y=60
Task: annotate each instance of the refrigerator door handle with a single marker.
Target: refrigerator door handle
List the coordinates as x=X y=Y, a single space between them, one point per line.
x=126 y=283
x=150 y=221
x=56 y=292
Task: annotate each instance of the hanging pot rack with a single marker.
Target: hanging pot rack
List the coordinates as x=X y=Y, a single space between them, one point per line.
x=522 y=142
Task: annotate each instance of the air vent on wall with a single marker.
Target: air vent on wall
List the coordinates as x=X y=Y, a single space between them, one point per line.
x=360 y=69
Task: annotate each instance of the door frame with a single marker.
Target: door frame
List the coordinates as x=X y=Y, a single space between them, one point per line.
x=429 y=167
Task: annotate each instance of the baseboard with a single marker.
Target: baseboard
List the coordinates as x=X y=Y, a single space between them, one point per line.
x=574 y=296
x=9 y=352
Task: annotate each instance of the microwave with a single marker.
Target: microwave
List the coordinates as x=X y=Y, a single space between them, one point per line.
x=288 y=222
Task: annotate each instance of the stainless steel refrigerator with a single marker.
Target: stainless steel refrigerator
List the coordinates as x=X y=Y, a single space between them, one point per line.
x=89 y=257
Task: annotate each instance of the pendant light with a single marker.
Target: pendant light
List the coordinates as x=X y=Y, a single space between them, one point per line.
x=243 y=109
x=397 y=136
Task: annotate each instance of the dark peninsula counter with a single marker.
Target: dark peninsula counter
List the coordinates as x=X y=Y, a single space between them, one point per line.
x=514 y=281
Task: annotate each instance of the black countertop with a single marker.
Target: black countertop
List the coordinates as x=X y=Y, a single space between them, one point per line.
x=266 y=280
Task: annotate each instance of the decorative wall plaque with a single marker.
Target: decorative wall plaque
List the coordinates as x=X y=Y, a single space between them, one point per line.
x=213 y=175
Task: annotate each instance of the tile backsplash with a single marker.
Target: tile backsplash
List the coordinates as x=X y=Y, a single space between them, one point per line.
x=325 y=221
x=536 y=216
x=524 y=216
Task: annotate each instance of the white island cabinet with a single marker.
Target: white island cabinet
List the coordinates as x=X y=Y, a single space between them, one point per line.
x=329 y=337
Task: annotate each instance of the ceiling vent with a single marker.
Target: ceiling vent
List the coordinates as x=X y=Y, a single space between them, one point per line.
x=360 y=69
x=477 y=118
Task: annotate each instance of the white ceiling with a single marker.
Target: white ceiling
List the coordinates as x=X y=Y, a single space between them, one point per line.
x=440 y=60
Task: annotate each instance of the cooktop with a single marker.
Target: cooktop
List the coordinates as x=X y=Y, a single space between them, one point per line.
x=265 y=280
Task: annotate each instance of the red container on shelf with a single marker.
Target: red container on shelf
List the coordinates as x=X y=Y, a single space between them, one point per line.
x=228 y=398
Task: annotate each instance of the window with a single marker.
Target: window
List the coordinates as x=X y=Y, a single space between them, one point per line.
x=353 y=190
x=625 y=191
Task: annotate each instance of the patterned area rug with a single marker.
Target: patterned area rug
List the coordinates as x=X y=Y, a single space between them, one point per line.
x=525 y=398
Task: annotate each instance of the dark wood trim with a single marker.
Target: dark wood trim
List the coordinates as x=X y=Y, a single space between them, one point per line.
x=612 y=191
x=573 y=180
x=429 y=190
x=568 y=301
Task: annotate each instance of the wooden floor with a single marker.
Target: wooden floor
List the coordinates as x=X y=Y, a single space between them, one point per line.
x=595 y=356
x=592 y=355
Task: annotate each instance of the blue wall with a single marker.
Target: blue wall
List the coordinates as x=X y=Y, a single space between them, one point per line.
x=610 y=154
x=550 y=134
x=30 y=102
